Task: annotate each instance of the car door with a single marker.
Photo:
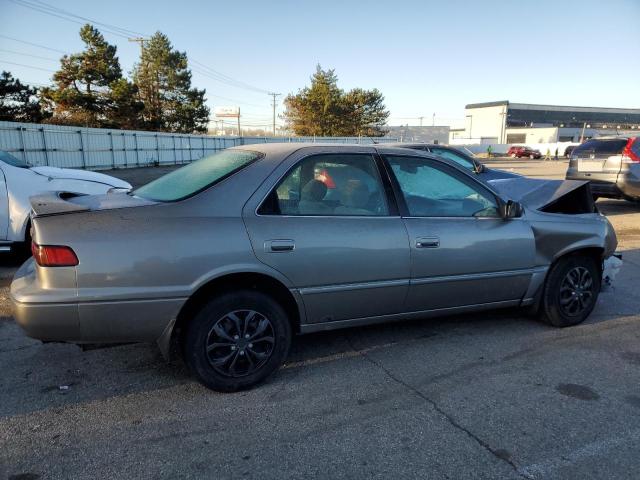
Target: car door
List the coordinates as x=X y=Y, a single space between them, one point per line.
x=4 y=207
x=462 y=252
x=331 y=228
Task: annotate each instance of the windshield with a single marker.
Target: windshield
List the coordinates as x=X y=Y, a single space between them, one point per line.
x=11 y=160
x=197 y=176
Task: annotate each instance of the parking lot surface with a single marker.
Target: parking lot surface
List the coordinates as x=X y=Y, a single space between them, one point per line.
x=492 y=395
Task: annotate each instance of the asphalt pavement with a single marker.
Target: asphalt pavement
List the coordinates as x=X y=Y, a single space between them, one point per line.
x=492 y=395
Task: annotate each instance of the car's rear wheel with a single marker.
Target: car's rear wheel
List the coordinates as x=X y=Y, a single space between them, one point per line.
x=237 y=340
x=571 y=291
x=531 y=156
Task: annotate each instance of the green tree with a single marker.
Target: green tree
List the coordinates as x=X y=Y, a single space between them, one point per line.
x=82 y=91
x=19 y=102
x=123 y=108
x=323 y=109
x=164 y=83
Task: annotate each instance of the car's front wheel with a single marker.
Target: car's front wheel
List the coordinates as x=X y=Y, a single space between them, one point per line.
x=571 y=291
x=237 y=340
x=513 y=155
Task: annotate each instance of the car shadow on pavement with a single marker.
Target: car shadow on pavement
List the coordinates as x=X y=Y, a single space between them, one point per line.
x=38 y=377
x=611 y=207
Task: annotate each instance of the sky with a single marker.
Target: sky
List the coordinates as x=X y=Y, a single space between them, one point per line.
x=426 y=57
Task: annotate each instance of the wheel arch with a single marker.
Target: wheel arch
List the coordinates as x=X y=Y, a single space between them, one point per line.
x=229 y=282
x=592 y=251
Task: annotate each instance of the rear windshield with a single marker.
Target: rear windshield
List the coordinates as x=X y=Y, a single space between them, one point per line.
x=197 y=176
x=11 y=160
x=604 y=147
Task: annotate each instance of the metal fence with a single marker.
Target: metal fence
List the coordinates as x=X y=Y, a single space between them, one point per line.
x=101 y=149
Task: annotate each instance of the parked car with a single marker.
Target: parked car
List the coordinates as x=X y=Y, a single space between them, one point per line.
x=464 y=159
x=231 y=255
x=19 y=181
x=611 y=164
x=568 y=150
x=516 y=151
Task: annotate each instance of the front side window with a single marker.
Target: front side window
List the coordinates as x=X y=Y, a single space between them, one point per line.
x=329 y=185
x=456 y=157
x=197 y=176
x=431 y=192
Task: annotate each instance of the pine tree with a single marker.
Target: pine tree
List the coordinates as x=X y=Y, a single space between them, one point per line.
x=81 y=94
x=323 y=109
x=123 y=108
x=164 y=83
x=19 y=102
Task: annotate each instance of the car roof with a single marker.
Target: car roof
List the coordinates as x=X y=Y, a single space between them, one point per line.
x=276 y=152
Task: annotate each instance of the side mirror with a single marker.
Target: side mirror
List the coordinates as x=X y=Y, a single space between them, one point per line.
x=510 y=209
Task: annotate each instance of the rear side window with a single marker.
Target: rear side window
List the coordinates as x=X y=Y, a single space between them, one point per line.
x=329 y=185
x=197 y=176
x=601 y=147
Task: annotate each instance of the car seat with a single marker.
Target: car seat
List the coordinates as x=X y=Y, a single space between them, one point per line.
x=311 y=199
x=354 y=200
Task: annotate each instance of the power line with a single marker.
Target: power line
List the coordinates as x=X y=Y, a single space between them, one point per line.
x=33 y=44
x=52 y=11
x=29 y=55
x=57 y=12
x=27 y=66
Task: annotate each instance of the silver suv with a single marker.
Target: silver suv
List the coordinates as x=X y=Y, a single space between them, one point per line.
x=611 y=164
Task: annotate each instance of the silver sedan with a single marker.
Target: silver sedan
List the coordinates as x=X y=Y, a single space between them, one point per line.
x=231 y=255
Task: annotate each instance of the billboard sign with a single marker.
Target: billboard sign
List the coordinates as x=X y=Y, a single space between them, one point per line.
x=227 y=112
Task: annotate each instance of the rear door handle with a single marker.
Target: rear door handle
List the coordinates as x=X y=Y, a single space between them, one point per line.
x=427 y=242
x=279 y=245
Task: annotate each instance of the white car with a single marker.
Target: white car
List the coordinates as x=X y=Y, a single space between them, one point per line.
x=19 y=181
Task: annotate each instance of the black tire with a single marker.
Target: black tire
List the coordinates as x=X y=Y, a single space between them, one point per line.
x=214 y=335
x=571 y=291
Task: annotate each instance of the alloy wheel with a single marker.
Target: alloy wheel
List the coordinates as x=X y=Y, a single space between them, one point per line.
x=576 y=291
x=240 y=342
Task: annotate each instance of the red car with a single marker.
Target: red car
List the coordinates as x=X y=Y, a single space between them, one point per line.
x=523 y=151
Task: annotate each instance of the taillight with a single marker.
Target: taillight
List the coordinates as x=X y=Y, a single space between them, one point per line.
x=325 y=178
x=628 y=155
x=53 y=255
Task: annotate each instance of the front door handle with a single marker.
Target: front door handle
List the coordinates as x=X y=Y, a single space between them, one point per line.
x=279 y=246
x=427 y=242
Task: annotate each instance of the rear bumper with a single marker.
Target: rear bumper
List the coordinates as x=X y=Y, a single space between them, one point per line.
x=46 y=315
x=623 y=185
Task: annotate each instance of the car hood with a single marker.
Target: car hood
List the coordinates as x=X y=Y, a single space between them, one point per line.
x=86 y=175
x=554 y=196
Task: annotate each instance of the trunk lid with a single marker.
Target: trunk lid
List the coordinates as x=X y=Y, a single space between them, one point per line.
x=600 y=158
x=60 y=203
x=86 y=175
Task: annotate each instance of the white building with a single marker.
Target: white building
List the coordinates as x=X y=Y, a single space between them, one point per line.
x=504 y=122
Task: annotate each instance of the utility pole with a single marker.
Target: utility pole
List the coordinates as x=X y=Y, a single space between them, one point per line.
x=420 y=120
x=239 y=131
x=433 y=120
x=273 y=104
x=139 y=40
